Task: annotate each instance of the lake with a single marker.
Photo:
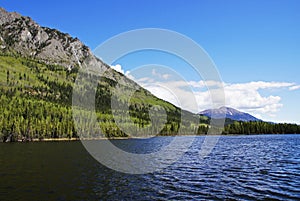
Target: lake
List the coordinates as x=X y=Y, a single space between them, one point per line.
x=254 y=167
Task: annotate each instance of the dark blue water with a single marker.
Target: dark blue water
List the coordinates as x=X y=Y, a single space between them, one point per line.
x=256 y=167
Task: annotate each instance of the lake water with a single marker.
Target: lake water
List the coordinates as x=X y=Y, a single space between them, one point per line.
x=256 y=167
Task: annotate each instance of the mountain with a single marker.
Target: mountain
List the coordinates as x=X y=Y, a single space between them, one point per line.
x=24 y=36
x=38 y=68
x=21 y=36
x=229 y=113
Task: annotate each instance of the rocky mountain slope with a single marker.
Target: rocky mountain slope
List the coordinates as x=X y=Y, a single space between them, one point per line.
x=38 y=68
x=22 y=35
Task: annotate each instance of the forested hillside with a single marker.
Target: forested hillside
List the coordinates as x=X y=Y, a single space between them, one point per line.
x=36 y=101
x=38 y=68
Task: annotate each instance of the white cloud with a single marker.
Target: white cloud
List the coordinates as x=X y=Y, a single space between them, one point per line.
x=174 y=92
x=118 y=68
x=164 y=76
x=247 y=97
x=261 y=85
x=250 y=100
x=205 y=84
x=295 y=87
x=243 y=96
x=127 y=74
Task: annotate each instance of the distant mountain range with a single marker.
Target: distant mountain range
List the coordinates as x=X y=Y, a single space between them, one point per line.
x=229 y=113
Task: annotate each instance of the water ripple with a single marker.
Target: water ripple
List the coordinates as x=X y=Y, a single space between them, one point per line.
x=258 y=167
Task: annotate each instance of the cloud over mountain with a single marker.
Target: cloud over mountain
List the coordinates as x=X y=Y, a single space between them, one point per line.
x=259 y=98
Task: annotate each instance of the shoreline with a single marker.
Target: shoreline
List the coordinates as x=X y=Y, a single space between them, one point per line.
x=127 y=138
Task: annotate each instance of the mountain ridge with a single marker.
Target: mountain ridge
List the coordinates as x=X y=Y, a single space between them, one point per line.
x=230 y=113
x=22 y=36
x=38 y=70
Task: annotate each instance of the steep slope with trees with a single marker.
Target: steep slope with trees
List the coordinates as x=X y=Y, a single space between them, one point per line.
x=38 y=67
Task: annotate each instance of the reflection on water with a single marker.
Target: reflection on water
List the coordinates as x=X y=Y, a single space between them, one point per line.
x=239 y=168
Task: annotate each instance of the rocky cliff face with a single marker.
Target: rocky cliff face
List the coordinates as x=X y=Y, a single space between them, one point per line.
x=7 y=16
x=24 y=36
x=21 y=35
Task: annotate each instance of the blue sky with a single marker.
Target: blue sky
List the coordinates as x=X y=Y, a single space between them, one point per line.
x=249 y=41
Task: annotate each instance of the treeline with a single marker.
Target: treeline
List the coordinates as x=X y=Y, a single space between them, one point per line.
x=26 y=119
x=36 y=103
x=260 y=127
